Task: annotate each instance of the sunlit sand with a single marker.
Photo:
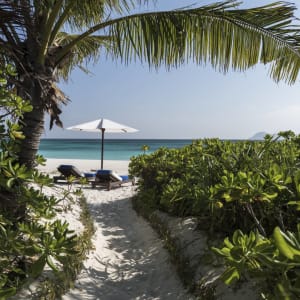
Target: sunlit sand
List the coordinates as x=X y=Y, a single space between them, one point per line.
x=129 y=260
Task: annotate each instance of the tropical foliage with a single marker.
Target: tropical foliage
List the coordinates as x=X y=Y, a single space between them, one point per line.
x=247 y=189
x=221 y=180
x=30 y=240
x=46 y=40
x=273 y=263
x=145 y=148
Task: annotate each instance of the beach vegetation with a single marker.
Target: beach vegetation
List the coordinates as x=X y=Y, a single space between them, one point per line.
x=53 y=287
x=32 y=239
x=46 y=40
x=244 y=192
x=145 y=148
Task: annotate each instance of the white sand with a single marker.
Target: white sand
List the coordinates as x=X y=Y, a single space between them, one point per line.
x=129 y=260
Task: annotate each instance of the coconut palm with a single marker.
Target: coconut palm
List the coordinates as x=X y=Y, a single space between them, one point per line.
x=47 y=39
x=145 y=148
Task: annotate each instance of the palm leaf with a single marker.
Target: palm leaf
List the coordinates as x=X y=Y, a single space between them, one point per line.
x=236 y=39
x=85 y=14
x=84 y=52
x=218 y=34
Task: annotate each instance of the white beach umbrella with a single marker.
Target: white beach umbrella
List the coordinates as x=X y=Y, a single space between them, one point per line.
x=102 y=125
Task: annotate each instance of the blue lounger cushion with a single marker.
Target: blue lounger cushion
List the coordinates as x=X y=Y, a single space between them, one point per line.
x=70 y=170
x=110 y=179
x=108 y=175
x=90 y=176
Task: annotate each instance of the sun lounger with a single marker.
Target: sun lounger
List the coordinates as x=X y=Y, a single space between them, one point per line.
x=110 y=179
x=68 y=171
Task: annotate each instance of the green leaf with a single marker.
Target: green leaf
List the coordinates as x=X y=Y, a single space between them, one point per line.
x=225 y=252
x=268 y=196
x=51 y=263
x=285 y=248
x=252 y=239
x=296 y=203
x=236 y=236
x=284 y=291
x=38 y=266
x=227 y=197
x=230 y=275
x=227 y=243
x=8 y=292
x=10 y=182
x=3 y=81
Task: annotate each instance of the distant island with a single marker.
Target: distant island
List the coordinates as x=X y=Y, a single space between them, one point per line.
x=258 y=136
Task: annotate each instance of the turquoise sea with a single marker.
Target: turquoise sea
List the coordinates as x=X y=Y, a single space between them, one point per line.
x=114 y=149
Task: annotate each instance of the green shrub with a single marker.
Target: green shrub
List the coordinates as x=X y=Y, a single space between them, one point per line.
x=273 y=263
x=27 y=244
x=219 y=181
x=242 y=189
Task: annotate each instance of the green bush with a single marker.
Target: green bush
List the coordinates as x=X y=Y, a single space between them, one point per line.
x=220 y=181
x=27 y=244
x=273 y=263
x=236 y=187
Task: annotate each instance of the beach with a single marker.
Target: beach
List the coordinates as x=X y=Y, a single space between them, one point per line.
x=85 y=165
x=128 y=260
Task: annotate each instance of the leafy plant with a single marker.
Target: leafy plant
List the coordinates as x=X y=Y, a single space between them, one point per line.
x=27 y=241
x=56 y=242
x=238 y=189
x=220 y=180
x=274 y=263
x=245 y=255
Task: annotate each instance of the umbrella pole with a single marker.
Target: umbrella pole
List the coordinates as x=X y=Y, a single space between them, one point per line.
x=102 y=147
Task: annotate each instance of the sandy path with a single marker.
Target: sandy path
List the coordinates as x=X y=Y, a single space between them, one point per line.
x=129 y=261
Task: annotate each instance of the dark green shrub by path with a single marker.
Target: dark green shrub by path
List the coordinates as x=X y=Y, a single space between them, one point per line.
x=228 y=185
x=249 y=190
x=30 y=237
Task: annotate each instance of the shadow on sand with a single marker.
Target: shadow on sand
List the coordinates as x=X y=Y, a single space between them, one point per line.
x=131 y=263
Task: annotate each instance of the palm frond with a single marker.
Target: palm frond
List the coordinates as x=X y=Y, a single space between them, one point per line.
x=85 y=14
x=219 y=34
x=216 y=34
x=85 y=51
x=55 y=98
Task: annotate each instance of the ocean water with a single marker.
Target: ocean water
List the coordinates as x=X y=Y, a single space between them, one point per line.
x=114 y=149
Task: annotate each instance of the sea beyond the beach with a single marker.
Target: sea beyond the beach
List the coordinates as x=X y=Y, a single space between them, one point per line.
x=114 y=149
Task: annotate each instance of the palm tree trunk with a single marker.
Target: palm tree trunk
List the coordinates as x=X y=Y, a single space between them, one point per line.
x=33 y=129
x=33 y=125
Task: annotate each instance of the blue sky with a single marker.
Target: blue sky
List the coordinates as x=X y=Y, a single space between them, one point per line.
x=188 y=102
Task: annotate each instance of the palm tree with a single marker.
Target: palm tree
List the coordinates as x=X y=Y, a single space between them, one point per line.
x=47 y=39
x=145 y=148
